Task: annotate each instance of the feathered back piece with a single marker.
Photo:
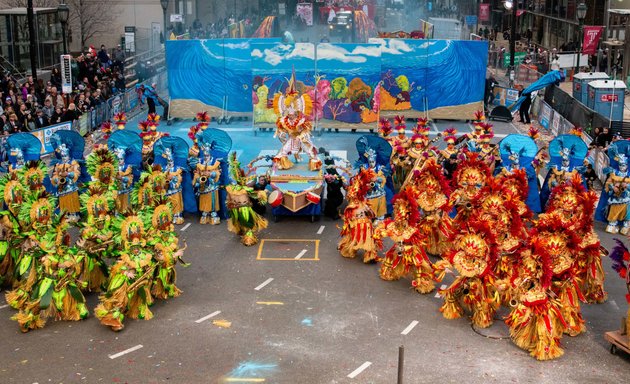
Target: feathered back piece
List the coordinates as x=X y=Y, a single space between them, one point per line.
x=574 y=189
x=472 y=162
x=450 y=135
x=300 y=104
x=406 y=207
x=431 y=167
x=385 y=127
x=359 y=184
x=479 y=116
x=106 y=128
x=102 y=164
x=534 y=132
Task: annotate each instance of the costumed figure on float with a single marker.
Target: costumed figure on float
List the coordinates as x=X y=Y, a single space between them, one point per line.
x=293 y=128
x=358 y=228
x=244 y=222
x=407 y=254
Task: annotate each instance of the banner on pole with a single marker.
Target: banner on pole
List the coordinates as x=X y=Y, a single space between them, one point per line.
x=592 y=35
x=484 y=12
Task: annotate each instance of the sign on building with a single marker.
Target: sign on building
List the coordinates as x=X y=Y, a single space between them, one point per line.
x=66 y=74
x=130 y=39
x=177 y=18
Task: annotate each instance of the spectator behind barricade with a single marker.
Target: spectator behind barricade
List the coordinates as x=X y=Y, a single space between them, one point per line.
x=71 y=114
x=13 y=125
x=41 y=120
x=55 y=77
x=56 y=116
x=119 y=59
x=48 y=108
x=57 y=98
x=103 y=57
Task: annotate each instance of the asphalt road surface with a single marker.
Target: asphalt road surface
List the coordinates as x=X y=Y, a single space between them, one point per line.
x=292 y=310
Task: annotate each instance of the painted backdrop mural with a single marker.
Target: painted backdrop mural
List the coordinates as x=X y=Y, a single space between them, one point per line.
x=348 y=85
x=444 y=77
x=210 y=75
x=272 y=65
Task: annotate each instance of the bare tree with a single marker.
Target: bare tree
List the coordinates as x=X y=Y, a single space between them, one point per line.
x=91 y=18
x=36 y=3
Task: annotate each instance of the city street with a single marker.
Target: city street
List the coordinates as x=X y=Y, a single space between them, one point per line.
x=292 y=310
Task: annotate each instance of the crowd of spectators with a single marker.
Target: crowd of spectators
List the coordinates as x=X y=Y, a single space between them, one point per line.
x=29 y=105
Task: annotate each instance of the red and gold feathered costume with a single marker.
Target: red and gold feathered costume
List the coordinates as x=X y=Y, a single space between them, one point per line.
x=407 y=253
x=357 y=232
x=575 y=207
x=473 y=254
x=432 y=192
x=471 y=176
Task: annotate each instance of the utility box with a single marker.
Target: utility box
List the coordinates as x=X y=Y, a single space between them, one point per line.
x=580 y=84
x=606 y=97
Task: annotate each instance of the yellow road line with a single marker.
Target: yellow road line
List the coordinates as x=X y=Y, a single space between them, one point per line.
x=270 y=302
x=243 y=380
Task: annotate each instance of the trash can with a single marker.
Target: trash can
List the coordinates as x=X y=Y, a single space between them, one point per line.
x=580 y=84
x=606 y=97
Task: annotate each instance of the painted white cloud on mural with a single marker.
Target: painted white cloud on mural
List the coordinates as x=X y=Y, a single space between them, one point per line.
x=331 y=52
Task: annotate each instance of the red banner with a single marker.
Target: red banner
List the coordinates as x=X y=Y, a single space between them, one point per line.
x=484 y=12
x=591 y=39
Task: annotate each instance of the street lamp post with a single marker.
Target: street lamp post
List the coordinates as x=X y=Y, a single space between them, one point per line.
x=64 y=13
x=164 y=4
x=509 y=5
x=30 y=18
x=581 y=15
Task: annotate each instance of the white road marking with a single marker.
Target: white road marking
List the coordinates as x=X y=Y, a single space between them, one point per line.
x=213 y=314
x=321 y=230
x=4 y=306
x=437 y=295
x=185 y=227
x=126 y=351
x=411 y=326
x=358 y=371
x=299 y=256
x=261 y=286
x=614 y=304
